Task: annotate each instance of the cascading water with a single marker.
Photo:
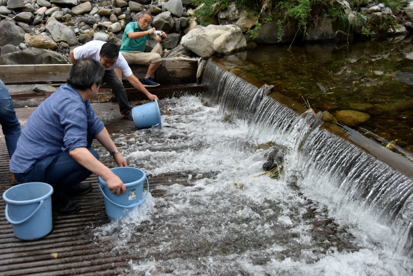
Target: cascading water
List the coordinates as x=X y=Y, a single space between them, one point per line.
x=335 y=210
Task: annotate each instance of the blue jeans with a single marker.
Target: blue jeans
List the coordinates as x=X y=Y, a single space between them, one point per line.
x=8 y=119
x=60 y=170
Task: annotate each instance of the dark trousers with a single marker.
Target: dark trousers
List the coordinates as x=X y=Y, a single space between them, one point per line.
x=118 y=90
x=60 y=170
x=8 y=119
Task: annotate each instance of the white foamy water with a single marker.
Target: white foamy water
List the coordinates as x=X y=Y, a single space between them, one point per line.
x=232 y=220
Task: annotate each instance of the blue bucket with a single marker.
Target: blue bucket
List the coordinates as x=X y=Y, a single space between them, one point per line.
x=29 y=209
x=147 y=115
x=122 y=204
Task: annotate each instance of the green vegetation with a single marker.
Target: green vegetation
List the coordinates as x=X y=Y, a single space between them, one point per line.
x=294 y=14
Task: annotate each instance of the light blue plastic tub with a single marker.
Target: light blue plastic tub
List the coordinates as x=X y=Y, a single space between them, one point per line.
x=29 y=209
x=122 y=204
x=147 y=115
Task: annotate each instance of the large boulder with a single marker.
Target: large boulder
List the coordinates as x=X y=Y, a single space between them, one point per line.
x=135 y=7
x=175 y=7
x=245 y=22
x=33 y=56
x=269 y=33
x=61 y=33
x=101 y=36
x=351 y=117
x=10 y=33
x=164 y=21
x=213 y=39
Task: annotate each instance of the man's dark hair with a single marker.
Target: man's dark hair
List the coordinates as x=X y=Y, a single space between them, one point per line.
x=84 y=73
x=142 y=13
x=109 y=50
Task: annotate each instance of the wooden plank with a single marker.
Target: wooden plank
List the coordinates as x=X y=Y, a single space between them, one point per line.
x=34 y=73
x=171 y=71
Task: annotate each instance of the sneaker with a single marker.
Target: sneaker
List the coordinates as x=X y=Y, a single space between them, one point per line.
x=148 y=82
x=128 y=115
x=62 y=205
x=80 y=189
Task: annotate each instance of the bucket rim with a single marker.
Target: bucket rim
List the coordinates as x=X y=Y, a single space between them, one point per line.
x=127 y=185
x=30 y=201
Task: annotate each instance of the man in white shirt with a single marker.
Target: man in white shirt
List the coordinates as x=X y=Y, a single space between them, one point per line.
x=107 y=53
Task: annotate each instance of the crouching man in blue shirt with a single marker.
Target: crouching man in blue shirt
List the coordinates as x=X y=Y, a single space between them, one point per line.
x=54 y=146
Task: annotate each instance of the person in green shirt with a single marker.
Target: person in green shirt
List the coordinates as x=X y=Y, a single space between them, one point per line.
x=133 y=46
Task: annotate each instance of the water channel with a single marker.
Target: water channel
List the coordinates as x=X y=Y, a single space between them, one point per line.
x=333 y=209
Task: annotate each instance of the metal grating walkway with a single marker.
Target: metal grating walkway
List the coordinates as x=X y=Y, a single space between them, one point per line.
x=70 y=238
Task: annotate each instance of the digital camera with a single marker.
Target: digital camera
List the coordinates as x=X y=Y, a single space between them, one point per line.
x=157 y=33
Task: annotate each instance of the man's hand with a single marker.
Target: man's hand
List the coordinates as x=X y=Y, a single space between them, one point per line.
x=152 y=97
x=151 y=31
x=163 y=35
x=120 y=160
x=115 y=184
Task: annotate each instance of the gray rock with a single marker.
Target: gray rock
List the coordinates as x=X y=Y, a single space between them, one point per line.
x=230 y=15
x=121 y=3
x=44 y=3
x=178 y=51
x=88 y=20
x=177 y=25
x=65 y=2
x=115 y=40
x=24 y=16
x=246 y=22
x=82 y=8
x=155 y=9
x=58 y=15
x=33 y=56
x=150 y=44
x=94 y=11
x=3 y=2
x=373 y=9
x=28 y=8
x=105 y=12
x=135 y=7
x=9 y=48
x=4 y=10
x=38 y=19
x=85 y=27
x=22 y=46
x=269 y=34
x=171 y=41
x=26 y=28
x=50 y=11
x=213 y=39
x=143 y=1
x=66 y=17
x=184 y=22
x=41 y=88
x=117 y=11
x=61 y=32
x=10 y=33
x=175 y=7
x=101 y=36
x=115 y=27
x=163 y=21
x=113 y=18
x=15 y=4
x=83 y=38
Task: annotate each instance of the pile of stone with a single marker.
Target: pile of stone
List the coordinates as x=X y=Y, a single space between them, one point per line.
x=53 y=27
x=44 y=31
